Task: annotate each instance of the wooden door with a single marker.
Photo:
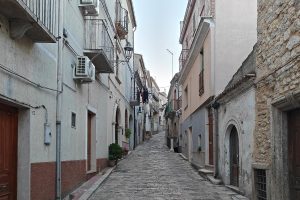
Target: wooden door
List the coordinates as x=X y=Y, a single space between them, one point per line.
x=8 y=152
x=294 y=153
x=210 y=138
x=234 y=157
x=89 y=142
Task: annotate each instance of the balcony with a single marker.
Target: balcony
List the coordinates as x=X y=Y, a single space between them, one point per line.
x=182 y=58
x=121 y=21
x=173 y=106
x=34 y=18
x=98 y=45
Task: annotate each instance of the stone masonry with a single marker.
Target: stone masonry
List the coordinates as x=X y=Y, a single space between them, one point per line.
x=153 y=172
x=278 y=64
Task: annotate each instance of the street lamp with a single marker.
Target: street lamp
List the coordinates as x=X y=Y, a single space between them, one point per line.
x=172 y=59
x=128 y=51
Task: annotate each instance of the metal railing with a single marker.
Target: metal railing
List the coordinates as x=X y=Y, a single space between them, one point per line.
x=182 y=59
x=97 y=37
x=122 y=17
x=45 y=11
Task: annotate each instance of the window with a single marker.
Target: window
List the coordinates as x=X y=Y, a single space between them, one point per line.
x=73 y=120
x=194 y=24
x=260 y=184
x=117 y=66
x=186 y=94
x=201 y=75
x=117 y=70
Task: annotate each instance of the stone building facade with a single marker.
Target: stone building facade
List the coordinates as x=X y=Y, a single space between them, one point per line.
x=277 y=99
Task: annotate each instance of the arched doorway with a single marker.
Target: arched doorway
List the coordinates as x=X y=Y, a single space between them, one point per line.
x=234 y=157
x=117 y=126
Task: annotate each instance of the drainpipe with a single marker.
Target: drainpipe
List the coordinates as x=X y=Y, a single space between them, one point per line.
x=216 y=106
x=134 y=123
x=59 y=101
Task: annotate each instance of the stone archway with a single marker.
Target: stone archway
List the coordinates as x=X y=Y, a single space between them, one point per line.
x=232 y=161
x=234 y=157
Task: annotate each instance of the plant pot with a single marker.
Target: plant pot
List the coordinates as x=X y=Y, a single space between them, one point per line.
x=112 y=163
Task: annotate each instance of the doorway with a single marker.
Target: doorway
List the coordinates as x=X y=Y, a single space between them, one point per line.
x=294 y=153
x=91 y=141
x=234 y=157
x=190 y=144
x=210 y=138
x=117 y=126
x=8 y=152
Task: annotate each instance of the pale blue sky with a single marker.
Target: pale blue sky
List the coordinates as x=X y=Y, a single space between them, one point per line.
x=158 y=29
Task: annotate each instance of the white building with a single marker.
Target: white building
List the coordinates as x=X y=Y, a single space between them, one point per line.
x=235 y=108
x=65 y=91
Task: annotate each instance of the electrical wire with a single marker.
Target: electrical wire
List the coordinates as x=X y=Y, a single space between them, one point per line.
x=26 y=79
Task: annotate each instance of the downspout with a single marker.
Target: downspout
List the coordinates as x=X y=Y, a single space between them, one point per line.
x=216 y=106
x=134 y=123
x=59 y=101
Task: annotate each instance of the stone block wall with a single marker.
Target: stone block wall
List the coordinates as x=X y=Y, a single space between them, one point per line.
x=278 y=65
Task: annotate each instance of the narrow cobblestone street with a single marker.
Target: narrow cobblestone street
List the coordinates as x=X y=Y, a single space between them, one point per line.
x=152 y=172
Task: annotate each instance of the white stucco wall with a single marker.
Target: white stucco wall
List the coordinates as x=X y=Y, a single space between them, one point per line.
x=238 y=112
x=235 y=36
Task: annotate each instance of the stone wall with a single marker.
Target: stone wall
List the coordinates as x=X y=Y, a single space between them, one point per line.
x=278 y=64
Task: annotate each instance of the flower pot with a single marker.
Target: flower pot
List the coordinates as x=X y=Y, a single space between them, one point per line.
x=112 y=163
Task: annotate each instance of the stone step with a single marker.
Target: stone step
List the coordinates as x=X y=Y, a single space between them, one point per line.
x=214 y=180
x=205 y=172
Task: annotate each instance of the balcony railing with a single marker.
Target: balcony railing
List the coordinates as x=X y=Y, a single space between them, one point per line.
x=182 y=58
x=173 y=106
x=36 y=19
x=98 y=45
x=121 y=20
x=177 y=103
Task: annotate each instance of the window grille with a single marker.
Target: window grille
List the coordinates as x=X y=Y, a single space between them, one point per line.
x=260 y=184
x=73 y=120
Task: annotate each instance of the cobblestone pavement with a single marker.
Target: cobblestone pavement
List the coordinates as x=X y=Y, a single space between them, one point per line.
x=152 y=172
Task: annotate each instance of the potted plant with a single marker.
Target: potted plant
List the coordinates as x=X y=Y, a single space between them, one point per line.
x=127 y=132
x=114 y=153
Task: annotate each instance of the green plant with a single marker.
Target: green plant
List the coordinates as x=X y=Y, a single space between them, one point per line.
x=114 y=152
x=127 y=133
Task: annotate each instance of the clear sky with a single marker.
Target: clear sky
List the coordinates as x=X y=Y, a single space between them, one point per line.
x=158 y=29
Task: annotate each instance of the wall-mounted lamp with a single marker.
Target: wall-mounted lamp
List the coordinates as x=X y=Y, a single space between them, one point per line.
x=128 y=53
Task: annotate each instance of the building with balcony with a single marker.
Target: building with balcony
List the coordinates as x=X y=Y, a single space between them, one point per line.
x=173 y=114
x=216 y=37
x=142 y=110
x=65 y=95
x=154 y=106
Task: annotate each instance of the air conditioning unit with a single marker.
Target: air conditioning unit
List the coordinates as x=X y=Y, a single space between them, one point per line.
x=84 y=71
x=89 y=7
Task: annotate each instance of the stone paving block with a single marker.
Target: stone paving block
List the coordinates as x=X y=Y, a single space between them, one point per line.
x=152 y=172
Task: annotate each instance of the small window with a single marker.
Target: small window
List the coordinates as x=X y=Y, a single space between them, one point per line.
x=201 y=75
x=73 y=120
x=260 y=184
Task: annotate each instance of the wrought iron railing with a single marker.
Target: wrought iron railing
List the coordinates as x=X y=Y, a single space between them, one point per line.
x=121 y=20
x=182 y=58
x=98 y=38
x=45 y=11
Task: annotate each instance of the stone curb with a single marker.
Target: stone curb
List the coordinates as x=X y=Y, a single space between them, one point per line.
x=96 y=185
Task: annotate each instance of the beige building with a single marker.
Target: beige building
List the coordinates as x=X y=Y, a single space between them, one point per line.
x=276 y=155
x=173 y=114
x=216 y=37
x=63 y=67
